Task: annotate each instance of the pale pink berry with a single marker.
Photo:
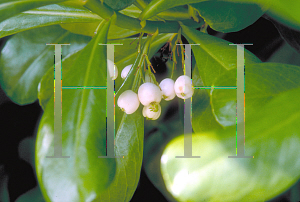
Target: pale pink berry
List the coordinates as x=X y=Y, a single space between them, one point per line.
x=128 y=101
x=167 y=89
x=152 y=111
x=125 y=71
x=183 y=87
x=148 y=93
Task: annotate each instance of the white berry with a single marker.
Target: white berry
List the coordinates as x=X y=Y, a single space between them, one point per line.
x=148 y=93
x=125 y=71
x=113 y=70
x=128 y=101
x=167 y=89
x=152 y=111
x=183 y=87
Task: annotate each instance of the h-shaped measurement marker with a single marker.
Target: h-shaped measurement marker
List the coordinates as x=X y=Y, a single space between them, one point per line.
x=240 y=132
x=58 y=104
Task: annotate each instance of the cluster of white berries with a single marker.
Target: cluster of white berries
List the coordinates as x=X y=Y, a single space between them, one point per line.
x=150 y=95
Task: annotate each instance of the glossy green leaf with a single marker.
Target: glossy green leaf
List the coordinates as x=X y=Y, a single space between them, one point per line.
x=228 y=16
x=115 y=32
x=9 y=8
x=272 y=137
x=26 y=150
x=129 y=142
x=263 y=81
x=83 y=176
x=33 y=195
x=45 y=16
x=118 y=4
x=89 y=29
x=46 y=85
x=26 y=58
x=286 y=12
x=213 y=56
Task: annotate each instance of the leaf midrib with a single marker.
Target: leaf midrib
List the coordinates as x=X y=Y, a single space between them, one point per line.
x=80 y=14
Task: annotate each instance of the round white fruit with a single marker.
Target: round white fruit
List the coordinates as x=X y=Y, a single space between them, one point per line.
x=125 y=71
x=152 y=111
x=167 y=89
x=148 y=93
x=183 y=87
x=128 y=101
x=113 y=70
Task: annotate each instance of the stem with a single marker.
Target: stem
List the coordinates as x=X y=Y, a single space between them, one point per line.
x=149 y=63
x=140 y=42
x=204 y=28
x=173 y=70
x=141 y=74
x=127 y=22
x=182 y=57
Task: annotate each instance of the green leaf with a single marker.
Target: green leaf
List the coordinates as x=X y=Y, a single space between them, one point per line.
x=45 y=16
x=26 y=150
x=214 y=56
x=272 y=137
x=33 y=195
x=118 y=4
x=26 y=58
x=228 y=16
x=263 y=82
x=88 y=29
x=286 y=12
x=115 y=32
x=128 y=143
x=9 y=8
x=83 y=176
x=46 y=85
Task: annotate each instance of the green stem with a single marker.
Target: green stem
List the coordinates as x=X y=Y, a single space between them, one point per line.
x=141 y=74
x=127 y=22
x=173 y=70
x=204 y=28
x=140 y=42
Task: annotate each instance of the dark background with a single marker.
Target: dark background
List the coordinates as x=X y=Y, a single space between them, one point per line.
x=18 y=123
